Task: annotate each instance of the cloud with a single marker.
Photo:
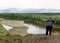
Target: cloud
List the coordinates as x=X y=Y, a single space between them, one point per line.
x=55 y=4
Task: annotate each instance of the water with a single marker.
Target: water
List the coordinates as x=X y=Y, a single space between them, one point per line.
x=7 y=27
x=32 y=29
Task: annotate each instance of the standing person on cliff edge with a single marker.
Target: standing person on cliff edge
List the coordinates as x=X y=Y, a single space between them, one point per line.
x=49 y=25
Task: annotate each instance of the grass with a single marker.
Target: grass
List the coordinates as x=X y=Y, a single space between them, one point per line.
x=11 y=39
x=3 y=31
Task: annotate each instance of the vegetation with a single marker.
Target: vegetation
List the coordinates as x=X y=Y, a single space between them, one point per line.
x=35 y=18
x=11 y=39
x=3 y=31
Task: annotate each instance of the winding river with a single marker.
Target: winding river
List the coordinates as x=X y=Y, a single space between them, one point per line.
x=33 y=29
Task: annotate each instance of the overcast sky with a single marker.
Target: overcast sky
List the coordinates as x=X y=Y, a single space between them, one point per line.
x=54 y=4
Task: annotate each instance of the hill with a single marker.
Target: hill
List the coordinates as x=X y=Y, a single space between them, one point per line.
x=29 y=10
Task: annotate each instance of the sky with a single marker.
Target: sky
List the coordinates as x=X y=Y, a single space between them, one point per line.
x=39 y=4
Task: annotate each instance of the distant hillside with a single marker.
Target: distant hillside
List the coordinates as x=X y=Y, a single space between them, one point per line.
x=29 y=10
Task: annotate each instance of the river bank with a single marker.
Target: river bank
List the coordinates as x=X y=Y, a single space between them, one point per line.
x=22 y=28
x=15 y=27
x=28 y=38
x=55 y=28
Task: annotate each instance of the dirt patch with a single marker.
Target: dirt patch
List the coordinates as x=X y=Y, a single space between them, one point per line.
x=13 y=23
x=42 y=39
x=18 y=27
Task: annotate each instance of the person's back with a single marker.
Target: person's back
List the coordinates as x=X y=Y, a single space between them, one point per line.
x=49 y=26
x=49 y=23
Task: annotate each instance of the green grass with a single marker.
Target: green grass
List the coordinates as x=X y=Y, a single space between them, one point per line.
x=11 y=39
x=38 y=19
x=3 y=31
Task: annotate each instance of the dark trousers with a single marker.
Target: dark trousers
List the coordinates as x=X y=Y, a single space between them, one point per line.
x=48 y=29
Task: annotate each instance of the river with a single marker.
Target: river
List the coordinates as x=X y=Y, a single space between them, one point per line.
x=32 y=29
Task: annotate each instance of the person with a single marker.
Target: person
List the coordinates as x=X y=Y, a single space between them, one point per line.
x=49 y=25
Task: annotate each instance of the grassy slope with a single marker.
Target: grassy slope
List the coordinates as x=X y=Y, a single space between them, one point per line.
x=3 y=31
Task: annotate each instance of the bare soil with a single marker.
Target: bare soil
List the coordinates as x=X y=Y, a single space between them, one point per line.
x=42 y=39
x=18 y=27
